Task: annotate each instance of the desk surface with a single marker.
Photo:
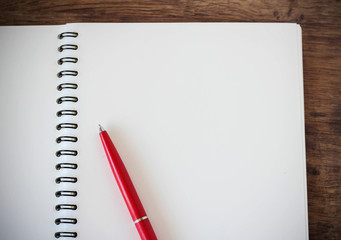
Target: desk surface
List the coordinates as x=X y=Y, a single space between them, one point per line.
x=321 y=25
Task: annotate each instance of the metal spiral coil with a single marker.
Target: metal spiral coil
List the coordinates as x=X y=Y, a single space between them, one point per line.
x=66 y=179
x=68 y=153
x=62 y=86
x=66 y=193
x=66 y=165
x=67 y=73
x=67 y=59
x=67 y=125
x=67 y=34
x=67 y=112
x=67 y=47
x=66 y=207
x=65 y=220
x=66 y=139
x=65 y=234
x=67 y=99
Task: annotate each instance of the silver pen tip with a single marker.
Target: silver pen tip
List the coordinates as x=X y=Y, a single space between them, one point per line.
x=101 y=129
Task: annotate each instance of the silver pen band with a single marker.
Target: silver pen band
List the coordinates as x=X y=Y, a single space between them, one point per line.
x=140 y=219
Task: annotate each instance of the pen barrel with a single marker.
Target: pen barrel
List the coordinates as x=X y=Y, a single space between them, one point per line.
x=127 y=189
x=145 y=230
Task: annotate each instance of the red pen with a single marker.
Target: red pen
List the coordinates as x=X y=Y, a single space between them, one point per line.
x=127 y=189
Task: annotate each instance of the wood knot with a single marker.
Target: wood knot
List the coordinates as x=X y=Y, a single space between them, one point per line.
x=313 y=171
x=300 y=18
x=289 y=12
x=276 y=15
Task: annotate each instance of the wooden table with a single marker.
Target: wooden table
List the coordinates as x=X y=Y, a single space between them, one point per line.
x=321 y=23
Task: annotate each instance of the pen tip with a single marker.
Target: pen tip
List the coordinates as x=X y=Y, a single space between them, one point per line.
x=101 y=129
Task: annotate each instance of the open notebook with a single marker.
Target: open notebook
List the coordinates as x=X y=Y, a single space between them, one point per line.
x=208 y=119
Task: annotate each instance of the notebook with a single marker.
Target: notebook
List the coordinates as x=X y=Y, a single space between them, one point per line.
x=207 y=117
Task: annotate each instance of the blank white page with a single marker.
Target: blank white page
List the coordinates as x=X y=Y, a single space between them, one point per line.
x=208 y=119
x=28 y=84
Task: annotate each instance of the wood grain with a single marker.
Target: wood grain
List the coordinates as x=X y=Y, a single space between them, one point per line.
x=321 y=23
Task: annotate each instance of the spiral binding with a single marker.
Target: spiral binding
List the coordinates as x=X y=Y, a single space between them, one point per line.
x=66 y=207
x=67 y=99
x=67 y=59
x=66 y=125
x=62 y=86
x=67 y=112
x=67 y=47
x=66 y=138
x=67 y=73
